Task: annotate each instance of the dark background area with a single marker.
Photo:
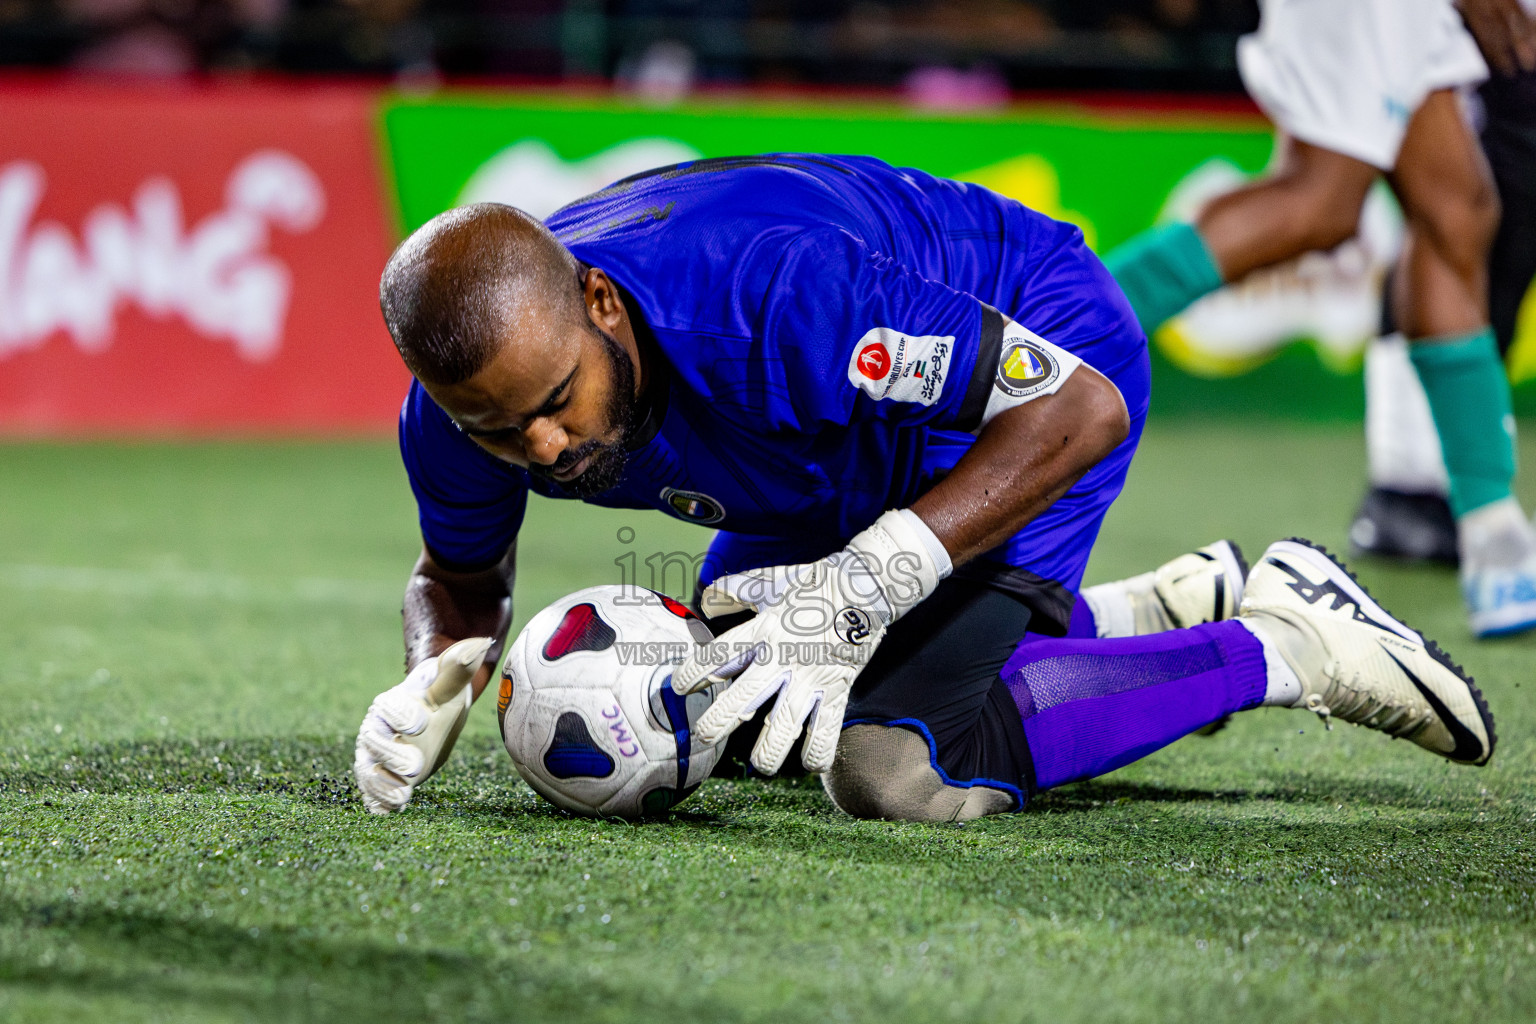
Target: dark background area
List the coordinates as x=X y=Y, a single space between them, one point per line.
x=944 y=52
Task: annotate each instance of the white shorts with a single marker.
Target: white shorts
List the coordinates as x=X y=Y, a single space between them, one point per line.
x=1347 y=75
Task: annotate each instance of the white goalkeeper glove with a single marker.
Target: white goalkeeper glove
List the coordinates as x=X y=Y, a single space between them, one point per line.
x=410 y=729
x=817 y=626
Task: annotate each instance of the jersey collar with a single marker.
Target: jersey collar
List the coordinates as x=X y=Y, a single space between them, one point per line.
x=658 y=374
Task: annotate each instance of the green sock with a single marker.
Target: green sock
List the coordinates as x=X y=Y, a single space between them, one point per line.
x=1469 y=397
x=1163 y=270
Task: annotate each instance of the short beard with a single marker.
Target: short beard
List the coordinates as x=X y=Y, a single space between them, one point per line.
x=609 y=458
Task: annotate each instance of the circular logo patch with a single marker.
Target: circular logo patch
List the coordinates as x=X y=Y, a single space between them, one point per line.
x=852 y=626
x=693 y=506
x=1025 y=369
x=874 y=360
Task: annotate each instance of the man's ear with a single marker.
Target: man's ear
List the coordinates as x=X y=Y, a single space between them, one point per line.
x=602 y=300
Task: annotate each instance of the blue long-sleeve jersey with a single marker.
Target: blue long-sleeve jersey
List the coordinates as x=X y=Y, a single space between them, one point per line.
x=831 y=330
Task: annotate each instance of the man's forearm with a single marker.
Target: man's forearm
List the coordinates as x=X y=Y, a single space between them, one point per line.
x=1022 y=462
x=443 y=607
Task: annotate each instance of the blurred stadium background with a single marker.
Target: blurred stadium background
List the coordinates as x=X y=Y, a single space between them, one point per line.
x=207 y=189
x=204 y=530
x=1183 y=44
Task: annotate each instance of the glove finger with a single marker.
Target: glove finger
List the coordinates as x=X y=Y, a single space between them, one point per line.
x=703 y=668
x=456 y=667
x=374 y=723
x=782 y=728
x=402 y=759
x=724 y=715
x=822 y=731
x=740 y=701
x=382 y=791
x=381 y=798
x=419 y=678
x=720 y=597
x=385 y=791
x=401 y=711
x=750 y=591
x=373 y=806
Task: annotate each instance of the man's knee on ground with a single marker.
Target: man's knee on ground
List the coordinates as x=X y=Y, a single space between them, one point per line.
x=886 y=772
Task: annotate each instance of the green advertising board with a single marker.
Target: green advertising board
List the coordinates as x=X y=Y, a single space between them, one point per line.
x=1287 y=343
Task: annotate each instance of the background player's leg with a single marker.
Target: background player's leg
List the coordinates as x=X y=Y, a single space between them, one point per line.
x=1404 y=513
x=1509 y=140
x=1310 y=201
x=1440 y=301
x=1452 y=211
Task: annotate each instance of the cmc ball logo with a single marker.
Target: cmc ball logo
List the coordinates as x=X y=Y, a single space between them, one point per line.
x=874 y=361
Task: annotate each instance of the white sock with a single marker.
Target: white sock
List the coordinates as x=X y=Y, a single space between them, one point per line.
x=1401 y=444
x=1496 y=536
x=1113 y=614
x=1283 y=688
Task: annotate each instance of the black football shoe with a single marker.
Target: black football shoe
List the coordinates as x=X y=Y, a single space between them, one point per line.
x=1406 y=527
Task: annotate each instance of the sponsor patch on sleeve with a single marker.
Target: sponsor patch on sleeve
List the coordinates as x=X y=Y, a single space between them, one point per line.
x=887 y=364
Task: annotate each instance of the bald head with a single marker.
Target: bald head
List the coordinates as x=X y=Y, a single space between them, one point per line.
x=471 y=280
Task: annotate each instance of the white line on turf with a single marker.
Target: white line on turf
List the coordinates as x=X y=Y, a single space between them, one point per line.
x=193 y=585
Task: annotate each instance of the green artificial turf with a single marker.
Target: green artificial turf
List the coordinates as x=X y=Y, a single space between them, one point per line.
x=189 y=635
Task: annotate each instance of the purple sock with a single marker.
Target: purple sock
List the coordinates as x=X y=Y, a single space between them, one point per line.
x=1091 y=706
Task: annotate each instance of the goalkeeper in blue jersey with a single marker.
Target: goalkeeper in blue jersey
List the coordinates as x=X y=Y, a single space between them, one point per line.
x=906 y=404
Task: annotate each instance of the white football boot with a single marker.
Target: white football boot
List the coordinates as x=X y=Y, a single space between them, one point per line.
x=1357 y=663
x=1205 y=585
x=1498 y=568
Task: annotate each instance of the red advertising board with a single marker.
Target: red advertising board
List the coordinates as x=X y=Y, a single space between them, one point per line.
x=192 y=260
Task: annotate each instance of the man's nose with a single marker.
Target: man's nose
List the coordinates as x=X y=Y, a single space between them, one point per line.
x=544 y=442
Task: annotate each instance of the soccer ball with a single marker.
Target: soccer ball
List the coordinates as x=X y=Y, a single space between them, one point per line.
x=587 y=708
